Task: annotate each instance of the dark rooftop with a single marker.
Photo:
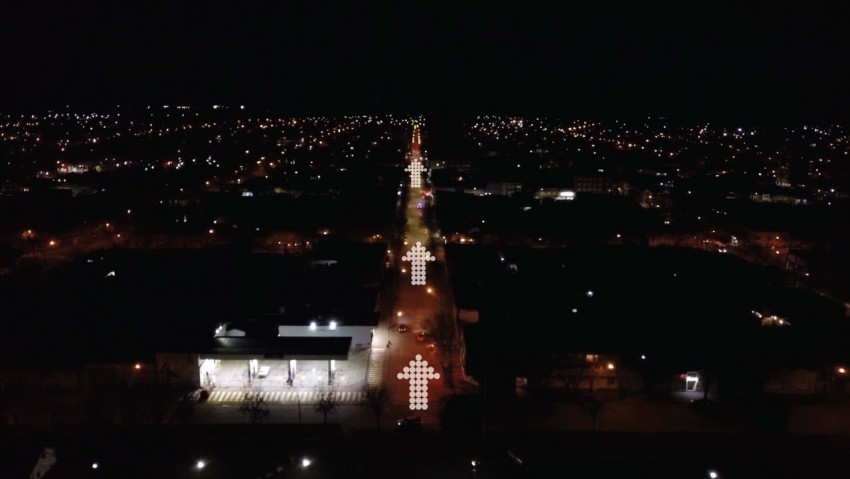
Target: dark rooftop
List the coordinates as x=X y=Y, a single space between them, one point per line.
x=284 y=348
x=305 y=317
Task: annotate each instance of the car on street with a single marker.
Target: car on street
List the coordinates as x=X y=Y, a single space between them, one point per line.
x=421 y=337
x=402 y=328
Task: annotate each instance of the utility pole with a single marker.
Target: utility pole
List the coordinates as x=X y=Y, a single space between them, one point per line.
x=484 y=407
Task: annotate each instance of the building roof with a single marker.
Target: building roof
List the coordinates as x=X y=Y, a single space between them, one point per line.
x=282 y=347
x=342 y=318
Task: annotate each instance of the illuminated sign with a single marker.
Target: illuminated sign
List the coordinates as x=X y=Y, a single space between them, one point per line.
x=418 y=256
x=415 y=169
x=418 y=373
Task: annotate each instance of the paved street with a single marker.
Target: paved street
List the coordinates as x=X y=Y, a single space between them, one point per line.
x=416 y=308
x=413 y=307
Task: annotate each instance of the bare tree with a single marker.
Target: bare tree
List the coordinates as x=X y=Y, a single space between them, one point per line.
x=255 y=407
x=444 y=332
x=376 y=398
x=326 y=404
x=570 y=369
x=9 y=411
x=185 y=407
x=593 y=407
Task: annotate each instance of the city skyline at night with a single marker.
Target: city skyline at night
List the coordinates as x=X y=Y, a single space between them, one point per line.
x=292 y=240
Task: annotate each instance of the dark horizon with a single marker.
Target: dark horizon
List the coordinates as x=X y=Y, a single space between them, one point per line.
x=441 y=115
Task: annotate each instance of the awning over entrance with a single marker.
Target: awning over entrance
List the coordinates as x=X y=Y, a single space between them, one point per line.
x=303 y=348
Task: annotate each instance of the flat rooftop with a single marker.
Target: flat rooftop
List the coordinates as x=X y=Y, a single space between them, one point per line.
x=280 y=348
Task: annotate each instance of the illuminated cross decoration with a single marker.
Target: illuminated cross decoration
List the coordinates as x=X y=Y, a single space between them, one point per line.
x=418 y=373
x=415 y=169
x=418 y=256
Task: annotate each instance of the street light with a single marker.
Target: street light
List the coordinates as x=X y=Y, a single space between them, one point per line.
x=713 y=474
x=200 y=465
x=305 y=463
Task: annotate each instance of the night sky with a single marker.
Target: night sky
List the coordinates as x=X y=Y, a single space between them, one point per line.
x=694 y=59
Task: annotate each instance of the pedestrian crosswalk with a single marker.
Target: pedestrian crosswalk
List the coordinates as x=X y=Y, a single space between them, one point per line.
x=375 y=375
x=236 y=395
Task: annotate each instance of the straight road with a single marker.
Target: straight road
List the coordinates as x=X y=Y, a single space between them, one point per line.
x=415 y=309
